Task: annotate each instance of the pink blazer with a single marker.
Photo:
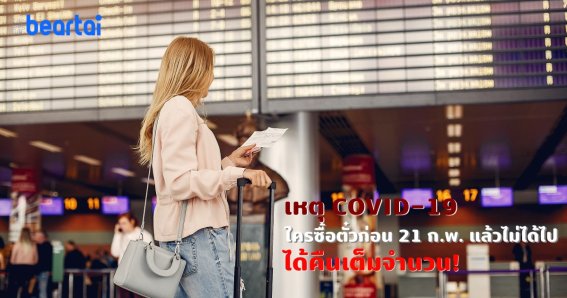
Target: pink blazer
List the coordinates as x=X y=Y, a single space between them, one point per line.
x=187 y=166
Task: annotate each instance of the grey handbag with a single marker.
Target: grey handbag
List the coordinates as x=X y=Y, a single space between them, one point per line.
x=150 y=270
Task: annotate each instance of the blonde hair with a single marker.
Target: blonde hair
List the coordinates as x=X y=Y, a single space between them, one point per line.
x=186 y=69
x=25 y=240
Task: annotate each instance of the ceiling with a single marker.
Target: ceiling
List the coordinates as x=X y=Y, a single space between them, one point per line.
x=410 y=146
x=498 y=141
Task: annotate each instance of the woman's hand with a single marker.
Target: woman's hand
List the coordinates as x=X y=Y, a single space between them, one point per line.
x=242 y=156
x=258 y=177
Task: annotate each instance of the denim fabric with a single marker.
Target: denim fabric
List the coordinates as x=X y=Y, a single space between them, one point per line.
x=210 y=266
x=43 y=280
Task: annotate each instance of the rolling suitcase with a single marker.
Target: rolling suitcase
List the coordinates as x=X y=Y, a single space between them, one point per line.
x=241 y=182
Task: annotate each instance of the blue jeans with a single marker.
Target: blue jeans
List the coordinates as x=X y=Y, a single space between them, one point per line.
x=209 y=271
x=43 y=281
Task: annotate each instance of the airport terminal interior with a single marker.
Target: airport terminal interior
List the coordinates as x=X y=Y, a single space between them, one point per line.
x=452 y=150
x=455 y=107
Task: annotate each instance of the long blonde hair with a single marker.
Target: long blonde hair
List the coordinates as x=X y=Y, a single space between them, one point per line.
x=186 y=69
x=26 y=242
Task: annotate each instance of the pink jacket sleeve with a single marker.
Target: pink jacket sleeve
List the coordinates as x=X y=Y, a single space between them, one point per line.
x=35 y=257
x=177 y=127
x=15 y=251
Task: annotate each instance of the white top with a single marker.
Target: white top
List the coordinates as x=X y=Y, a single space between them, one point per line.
x=120 y=241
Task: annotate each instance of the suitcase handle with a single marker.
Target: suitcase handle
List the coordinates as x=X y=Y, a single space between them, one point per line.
x=241 y=182
x=244 y=181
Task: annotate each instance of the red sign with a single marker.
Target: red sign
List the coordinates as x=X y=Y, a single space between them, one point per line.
x=360 y=291
x=358 y=170
x=24 y=181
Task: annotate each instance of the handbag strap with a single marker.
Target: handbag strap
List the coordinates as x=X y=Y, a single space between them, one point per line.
x=183 y=204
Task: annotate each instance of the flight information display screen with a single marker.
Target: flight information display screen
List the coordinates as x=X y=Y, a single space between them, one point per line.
x=309 y=49
x=119 y=67
x=358 y=47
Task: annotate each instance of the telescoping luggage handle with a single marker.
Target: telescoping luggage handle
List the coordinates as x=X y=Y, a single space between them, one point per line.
x=241 y=182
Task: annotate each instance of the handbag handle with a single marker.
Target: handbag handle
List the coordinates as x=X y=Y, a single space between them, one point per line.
x=175 y=263
x=183 y=204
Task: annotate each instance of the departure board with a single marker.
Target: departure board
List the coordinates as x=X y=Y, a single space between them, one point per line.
x=119 y=67
x=309 y=49
x=349 y=48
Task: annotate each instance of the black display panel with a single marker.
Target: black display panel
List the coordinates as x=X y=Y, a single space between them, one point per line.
x=350 y=48
x=119 y=67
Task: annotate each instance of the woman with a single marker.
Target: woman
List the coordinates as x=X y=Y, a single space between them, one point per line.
x=125 y=230
x=22 y=264
x=187 y=166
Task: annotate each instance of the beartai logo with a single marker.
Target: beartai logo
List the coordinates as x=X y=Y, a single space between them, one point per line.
x=59 y=27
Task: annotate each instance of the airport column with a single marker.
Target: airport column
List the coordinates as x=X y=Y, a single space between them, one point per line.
x=296 y=158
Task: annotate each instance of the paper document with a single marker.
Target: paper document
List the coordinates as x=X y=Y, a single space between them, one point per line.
x=265 y=138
